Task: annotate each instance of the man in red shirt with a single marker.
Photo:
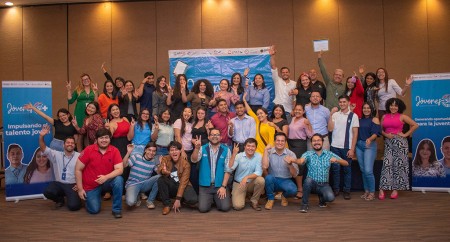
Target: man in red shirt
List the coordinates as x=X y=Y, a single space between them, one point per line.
x=98 y=168
x=221 y=121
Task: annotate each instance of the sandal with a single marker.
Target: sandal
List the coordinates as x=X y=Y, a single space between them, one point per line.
x=364 y=196
x=370 y=197
x=299 y=196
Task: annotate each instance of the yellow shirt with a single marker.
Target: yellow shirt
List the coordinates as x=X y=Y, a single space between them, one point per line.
x=267 y=132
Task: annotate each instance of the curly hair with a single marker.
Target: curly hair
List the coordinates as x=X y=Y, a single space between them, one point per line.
x=209 y=87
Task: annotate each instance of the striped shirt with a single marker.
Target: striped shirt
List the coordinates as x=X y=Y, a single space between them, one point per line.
x=141 y=169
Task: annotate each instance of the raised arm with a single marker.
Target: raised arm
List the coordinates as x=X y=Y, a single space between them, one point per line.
x=323 y=69
x=39 y=112
x=45 y=130
x=331 y=121
x=130 y=134
x=272 y=52
x=125 y=159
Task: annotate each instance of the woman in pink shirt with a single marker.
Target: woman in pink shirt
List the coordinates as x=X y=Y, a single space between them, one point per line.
x=300 y=130
x=395 y=171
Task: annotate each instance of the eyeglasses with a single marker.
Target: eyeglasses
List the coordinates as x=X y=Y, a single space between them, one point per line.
x=214 y=135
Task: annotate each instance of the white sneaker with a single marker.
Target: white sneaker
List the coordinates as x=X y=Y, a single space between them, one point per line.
x=143 y=196
x=138 y=203
x=150 y=205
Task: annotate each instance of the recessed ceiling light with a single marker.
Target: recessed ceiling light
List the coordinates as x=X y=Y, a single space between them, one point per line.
x=9 y=3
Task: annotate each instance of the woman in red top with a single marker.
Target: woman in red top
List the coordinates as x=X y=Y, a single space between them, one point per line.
x=355 y=91
x=120 y=129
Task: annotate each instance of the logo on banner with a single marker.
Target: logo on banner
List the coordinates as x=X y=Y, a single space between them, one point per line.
x=443 y=101
x=13 y=109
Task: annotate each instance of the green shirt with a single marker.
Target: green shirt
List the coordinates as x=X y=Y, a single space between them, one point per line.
x=334 y=90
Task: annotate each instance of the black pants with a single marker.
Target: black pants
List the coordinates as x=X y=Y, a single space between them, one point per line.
x=168 y=188
x=56 y=191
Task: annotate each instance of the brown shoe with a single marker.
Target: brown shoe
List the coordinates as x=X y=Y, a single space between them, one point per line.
x=269 y=205
x=166 y=210
x=284 y=201
x=256 y=206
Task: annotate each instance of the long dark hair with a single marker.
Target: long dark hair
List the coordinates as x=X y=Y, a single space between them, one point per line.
x=418 y=160
x=114 y=92
x=183 y=122
x=65 y=111
x=240 y=89
x=158 y=89
x=209 y=87
x=263 y=84
x=386 y=78
x=160 y=120
x=196 y=116
x=109 y=110
x=177 y=88
x=97 y=107
x=33 y=166
x=141 y=122
x=283 y=116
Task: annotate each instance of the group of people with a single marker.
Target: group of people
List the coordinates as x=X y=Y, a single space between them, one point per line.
x=198 y=147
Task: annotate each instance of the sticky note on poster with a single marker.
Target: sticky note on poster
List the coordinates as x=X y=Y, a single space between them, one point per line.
x=320 y=45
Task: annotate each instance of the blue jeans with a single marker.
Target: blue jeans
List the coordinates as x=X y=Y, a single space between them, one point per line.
x=322 y=189
x=275 y=184
x=336 y=170
x=161 y=151
x=150 y=185
x=366 y=159
x=94 y=199
x=57 y=144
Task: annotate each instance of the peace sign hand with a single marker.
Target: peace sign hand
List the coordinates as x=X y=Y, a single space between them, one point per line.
x=235 y=149
x=198 y=142
x=107 y=124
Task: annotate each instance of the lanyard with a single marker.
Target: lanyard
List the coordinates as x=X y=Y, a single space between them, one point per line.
x=64 y=162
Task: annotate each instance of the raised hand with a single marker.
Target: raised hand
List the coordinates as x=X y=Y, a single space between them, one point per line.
x=209 y=125
x=244 y=97
x=103 y=67
x=107 y=124
x=319 y=55
x=272 y=50
x=69 y=86
x=268 y=147
x=74 y=121
x=183 y=86
x=246 y=71
x=28 y=106
x=236 y=148
x=335 y=109
x=94 y=87
x=45 y=130
x=130 y=148
x=361 y=69
x=198 y=142
x=409 y=80
x=133 y=122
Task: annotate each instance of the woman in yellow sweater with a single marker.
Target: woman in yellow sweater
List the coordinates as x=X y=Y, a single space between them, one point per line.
x=265 y=130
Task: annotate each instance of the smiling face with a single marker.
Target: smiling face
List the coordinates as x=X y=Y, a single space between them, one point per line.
x=222 y=107
x=119 y=83
x=285 y=74
x=187 y=114
x=109 y=87
x=305 y=81
x=145 y=115
x=350 y=84
x=129 y=87
x=338 y=75
x=86 y=80
x=313 y=74
x=165 y=116
x=202 y=87
x=367 y=111
x=369 y=80
x=162 y=83
x=425 y=152
x=15 y=156
x=250 y=149
x=381 y=74
x=103 y=141
x=214 y=137
x=223 y=85
x=150 y=153
x=150 y=79
x=174 y=153
x=69 y=145
x=393 y=108
x=91 y=109
x=236 y=80
x=343 y=104
x=183 y=81
x=201 y=114
x=258 y=81
x=262 y=116
x=316 y=143
x=63 y=117
x=315 y=98
x=280 y=142
x=115 y=112
x=240 y=109
x=41 y=160
x=278 y=112
x=298 y=111
x=445 y=149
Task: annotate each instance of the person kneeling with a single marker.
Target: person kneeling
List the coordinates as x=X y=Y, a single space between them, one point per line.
x=247 y=177
x=174 y=181
x=318 y=162
x=99 y=167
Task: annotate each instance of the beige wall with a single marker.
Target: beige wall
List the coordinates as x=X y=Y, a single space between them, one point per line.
x=59 y=42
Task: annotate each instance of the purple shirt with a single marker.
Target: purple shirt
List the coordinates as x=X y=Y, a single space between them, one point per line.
x=298 y=129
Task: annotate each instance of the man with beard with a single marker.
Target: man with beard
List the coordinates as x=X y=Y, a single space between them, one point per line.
x=241 y=127
x=174 y=181
x=283 y=85
x=213 y=161
x=318 y=163
x=318 y=116
x=335 y=87
x=63 y=163
x=99 y=167
x=221 y=120
x=317 y=85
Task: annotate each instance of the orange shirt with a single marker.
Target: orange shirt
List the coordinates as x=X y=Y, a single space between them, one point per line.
x=104 y=102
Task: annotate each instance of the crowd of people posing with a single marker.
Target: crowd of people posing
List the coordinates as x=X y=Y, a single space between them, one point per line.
x=198 y=147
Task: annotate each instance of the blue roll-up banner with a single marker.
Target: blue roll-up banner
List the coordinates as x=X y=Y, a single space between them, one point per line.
x=431 y=142
x=25 y=167
x=217 y=64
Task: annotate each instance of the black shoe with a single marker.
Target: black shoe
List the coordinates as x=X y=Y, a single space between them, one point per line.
x=117 y=215
x=304 y=208
x=336 y=193
x=347 y=196
x=323 y=205
x=59 y=205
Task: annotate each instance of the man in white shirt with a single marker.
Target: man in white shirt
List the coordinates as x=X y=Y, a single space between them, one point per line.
x=344 y=124
x=283 y=85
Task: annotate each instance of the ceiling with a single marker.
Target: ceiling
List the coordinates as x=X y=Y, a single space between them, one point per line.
x=45 y=2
